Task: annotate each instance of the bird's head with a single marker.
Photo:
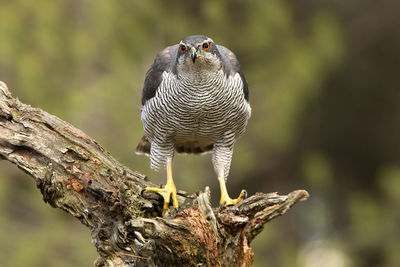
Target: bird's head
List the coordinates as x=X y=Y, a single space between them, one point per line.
x=198 y=53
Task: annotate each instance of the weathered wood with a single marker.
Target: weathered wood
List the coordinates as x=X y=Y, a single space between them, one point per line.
x=74 y=173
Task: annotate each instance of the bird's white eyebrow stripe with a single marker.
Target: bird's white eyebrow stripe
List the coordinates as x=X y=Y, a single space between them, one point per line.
x=205 y=41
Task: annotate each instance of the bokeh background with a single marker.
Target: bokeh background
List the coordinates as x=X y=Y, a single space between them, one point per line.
x=324 y=80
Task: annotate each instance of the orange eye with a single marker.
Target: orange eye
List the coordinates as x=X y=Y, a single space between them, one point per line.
x=182 y=48
x=206 y=46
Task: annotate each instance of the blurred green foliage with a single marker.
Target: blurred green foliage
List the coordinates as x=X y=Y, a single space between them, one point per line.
x=325 y=116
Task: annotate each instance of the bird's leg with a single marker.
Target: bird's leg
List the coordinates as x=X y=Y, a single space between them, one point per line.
x=221 y=158
x=168 y=191
x=225 y=199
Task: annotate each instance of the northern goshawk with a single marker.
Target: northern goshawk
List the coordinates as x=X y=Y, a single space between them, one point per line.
x=195 y=100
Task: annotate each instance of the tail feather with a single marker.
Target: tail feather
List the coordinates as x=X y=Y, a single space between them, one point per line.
x=143 y=148
x=190 y=148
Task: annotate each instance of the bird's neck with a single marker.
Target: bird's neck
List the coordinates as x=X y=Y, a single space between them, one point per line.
x=200 y=76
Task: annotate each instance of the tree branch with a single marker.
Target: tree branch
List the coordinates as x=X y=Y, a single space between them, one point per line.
x=74 y=173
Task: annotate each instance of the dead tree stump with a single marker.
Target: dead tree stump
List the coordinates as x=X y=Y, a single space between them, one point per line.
x=74 y=173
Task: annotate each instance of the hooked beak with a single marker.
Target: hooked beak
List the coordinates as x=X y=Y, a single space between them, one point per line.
x=193 y=54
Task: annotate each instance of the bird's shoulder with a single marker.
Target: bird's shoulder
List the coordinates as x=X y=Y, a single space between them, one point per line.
x=162 y=62
x=231 y=66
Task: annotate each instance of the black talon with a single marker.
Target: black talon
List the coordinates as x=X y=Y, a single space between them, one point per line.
x=143 y=190
x=245 y=194
x=176 y=209
x=222 y=206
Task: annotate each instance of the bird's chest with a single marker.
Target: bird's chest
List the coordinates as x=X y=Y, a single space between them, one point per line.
x=199 y=104
x=192 y=109
x=203 y=103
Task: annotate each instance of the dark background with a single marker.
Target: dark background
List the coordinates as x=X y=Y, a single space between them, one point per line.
x=324 y=89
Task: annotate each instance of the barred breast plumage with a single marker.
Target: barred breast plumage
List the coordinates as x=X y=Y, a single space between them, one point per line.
x=192 y=113
x=195 y=100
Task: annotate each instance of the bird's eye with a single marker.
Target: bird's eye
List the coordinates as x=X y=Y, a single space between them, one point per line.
x=182 y=48
x=206 y=46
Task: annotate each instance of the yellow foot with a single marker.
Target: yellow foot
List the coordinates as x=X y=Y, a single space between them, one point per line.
x=227 y=201
x=167 y=192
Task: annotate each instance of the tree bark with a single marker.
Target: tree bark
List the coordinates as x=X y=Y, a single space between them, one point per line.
x=74 y=173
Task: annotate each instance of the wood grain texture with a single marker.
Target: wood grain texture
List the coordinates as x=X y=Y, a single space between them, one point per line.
x=74 y=173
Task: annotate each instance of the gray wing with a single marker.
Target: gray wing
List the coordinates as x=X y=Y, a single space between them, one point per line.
x=162 y=62
x=232 y=66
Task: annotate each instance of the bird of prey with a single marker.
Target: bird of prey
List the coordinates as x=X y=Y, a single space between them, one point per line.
x=195 y=100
